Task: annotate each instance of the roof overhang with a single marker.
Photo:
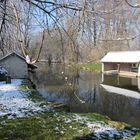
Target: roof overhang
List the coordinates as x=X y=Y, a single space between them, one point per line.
x=122 y=57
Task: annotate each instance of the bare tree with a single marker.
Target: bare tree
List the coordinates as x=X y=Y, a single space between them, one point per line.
x=83 y=27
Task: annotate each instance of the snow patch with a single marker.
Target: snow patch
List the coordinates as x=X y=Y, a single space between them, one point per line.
x=14 y=102
x=102 y=130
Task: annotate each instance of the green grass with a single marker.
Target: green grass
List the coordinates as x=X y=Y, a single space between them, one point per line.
x=44 y=127
x=51 y=126
x=138 y=136
x=88 y=67
x=96 y=117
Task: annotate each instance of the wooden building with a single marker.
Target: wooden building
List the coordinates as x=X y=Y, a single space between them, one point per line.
x=16 y=65
x=125 y=63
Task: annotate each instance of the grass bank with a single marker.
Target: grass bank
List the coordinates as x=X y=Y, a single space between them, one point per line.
x=88 y=67
x=64 y=126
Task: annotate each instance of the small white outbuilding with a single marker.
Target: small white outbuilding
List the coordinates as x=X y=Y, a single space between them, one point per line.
x=16 y=65
x=121 y=61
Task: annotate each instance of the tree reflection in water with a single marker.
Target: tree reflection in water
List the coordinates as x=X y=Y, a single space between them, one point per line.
x=82 y=92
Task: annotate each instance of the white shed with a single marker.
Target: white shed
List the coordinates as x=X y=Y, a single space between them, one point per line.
x=122 y=61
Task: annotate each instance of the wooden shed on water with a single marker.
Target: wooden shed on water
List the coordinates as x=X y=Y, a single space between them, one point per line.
x=16 y=65
x=124 y=63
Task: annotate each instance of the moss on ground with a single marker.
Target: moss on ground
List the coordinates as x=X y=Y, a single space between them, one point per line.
x=40 y=127
x=96 y=117
x=138 y=136
x=51 y=126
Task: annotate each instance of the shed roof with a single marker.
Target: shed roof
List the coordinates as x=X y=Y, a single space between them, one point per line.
x=19 y=56
x=11 y=54
x=122 y=57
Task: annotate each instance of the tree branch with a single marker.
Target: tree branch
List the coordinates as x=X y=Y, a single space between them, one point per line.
x=131 y=5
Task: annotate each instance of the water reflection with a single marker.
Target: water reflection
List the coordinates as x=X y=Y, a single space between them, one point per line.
x=122 y=82
x=89 y=92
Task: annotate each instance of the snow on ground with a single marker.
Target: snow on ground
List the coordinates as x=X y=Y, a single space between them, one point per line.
x=102 y=130
x=14 y=102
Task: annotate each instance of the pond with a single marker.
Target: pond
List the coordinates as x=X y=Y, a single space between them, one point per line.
x=85 y=92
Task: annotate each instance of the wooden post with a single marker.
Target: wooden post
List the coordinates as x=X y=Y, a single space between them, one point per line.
x=139 y=77
x=138 y=83
x=118 y=80
x=102 y=77
x=139 y=71
x=102 y=67
x=118 y=68
x=8 y=79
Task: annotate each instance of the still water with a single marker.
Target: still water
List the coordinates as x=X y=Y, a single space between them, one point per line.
x=82 y=92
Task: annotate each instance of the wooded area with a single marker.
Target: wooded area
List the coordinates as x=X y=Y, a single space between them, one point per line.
x=69 y=30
